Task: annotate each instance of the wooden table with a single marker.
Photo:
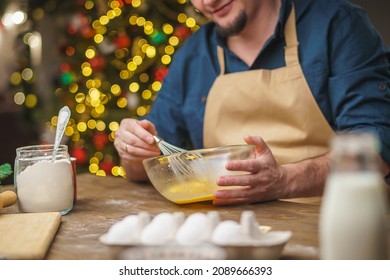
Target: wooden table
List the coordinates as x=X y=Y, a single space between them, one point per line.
x=102 y=201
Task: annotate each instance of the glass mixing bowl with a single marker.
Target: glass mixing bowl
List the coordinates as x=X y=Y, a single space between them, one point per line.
x=191 y=176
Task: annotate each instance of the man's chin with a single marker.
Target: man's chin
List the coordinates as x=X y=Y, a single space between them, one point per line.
x=233 y=28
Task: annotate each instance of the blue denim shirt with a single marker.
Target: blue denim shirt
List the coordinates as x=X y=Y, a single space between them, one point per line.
x=345 y=62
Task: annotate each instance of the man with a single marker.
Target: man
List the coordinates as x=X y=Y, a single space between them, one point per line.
x=283 y=75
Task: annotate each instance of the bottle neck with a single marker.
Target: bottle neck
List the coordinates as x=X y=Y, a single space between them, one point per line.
x=360 y=162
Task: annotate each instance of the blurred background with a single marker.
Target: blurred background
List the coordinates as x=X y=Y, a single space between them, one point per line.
x=104 y=59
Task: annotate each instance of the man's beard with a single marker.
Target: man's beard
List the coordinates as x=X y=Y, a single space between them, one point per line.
x=233 y=29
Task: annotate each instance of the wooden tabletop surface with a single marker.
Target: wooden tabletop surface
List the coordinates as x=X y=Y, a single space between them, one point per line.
x=102 y=201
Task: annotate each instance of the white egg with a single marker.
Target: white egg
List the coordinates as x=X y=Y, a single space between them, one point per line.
x=124 y=231
x=195 y=230
x=160 y=230
x=227 y=232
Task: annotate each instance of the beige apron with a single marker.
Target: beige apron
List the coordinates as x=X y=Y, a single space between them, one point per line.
x=274 y=104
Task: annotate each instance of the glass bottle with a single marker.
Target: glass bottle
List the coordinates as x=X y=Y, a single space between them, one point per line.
x=44 y=181
x=353 y=212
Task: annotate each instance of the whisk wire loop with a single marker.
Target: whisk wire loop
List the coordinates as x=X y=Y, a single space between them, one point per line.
x=165 y=147
x=191 y=165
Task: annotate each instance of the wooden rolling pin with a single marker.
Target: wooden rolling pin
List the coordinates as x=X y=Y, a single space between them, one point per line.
x=7 y=198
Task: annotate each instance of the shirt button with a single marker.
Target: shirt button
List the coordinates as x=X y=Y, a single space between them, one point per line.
x=382 y=87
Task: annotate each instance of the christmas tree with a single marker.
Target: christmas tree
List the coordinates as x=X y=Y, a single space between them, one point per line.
x=113 y=57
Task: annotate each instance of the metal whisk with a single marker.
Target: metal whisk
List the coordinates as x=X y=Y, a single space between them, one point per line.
x=190 y=165
x=165 y=147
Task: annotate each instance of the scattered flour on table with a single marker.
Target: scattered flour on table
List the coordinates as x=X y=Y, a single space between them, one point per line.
x=116 y=202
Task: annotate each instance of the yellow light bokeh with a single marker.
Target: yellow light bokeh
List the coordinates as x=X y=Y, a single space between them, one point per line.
x=174 y=41
x=94 y=160
x=148 y=27
x=15 y=78
x=136 y=3
x=115 y=89
x=54 y=120
x=182 y=18
x=141 y=111
x=166 y=59
x=122 y=102
x=117 y=11
x=113 y=126
x=96 y=24
x=91 y=124
x=31 y=100
x=133 y=20
x=27 y=74
x=141 y=21
x=144 y=77
x=73 y=88
x=169 y=50
x=134 y=87
x=111 y=14
x=101 y=173
x=111 y=136
x=95 y=102
x=167 y=28
x=156 y=86
x=98 y=38
x=100 y=108
x=118 y=171
x=87 y=71
x=80 y=97
x=69 y=131
x=19 y=98
x=82 y=126
x=101 y=30
x=104 y=20
x=90 y=53
x=137 y=59
x=93 y=168
x=146 y=94
x=94 y=93
x=114 y=4
x=132 y=66
x=89 y=4
x=190 y=22
x=76 y=137
x=125 y=75
x=100 y=125
x=151 y=51
x=99 y=155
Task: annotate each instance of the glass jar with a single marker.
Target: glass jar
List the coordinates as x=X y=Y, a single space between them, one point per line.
x=353 y=212
x=44 y=181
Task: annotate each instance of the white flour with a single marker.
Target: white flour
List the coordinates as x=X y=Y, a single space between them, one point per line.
x=45 y=187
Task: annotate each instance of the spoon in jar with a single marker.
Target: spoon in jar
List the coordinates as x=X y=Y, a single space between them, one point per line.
x=63 y=118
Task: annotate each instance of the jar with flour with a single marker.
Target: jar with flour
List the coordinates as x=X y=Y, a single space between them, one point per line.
x=44 y=179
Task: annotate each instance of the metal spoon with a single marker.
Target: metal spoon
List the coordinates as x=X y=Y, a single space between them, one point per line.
x=63 y=118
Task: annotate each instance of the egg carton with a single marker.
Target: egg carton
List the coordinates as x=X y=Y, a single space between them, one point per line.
x=197 y=229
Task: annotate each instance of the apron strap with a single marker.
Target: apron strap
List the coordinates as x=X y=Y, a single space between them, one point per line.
x=290 y=35
x=221 y=59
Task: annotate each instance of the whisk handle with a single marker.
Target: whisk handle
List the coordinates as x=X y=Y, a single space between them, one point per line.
x=157 y=139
